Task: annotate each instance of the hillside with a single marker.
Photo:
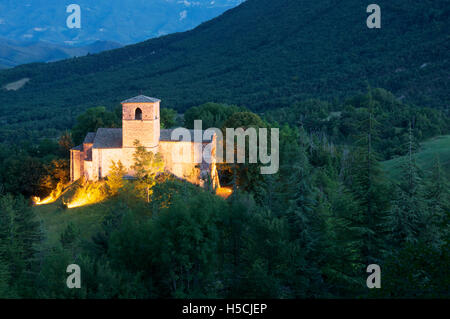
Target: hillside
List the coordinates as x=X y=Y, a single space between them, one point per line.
x=262 y=54
x=425 y=157
x=55 y=219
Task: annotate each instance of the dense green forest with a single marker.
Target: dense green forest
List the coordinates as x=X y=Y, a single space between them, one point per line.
x=262 y=54
x=308 y=231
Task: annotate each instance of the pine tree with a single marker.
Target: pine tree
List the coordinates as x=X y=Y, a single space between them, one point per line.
x=370 y=190
x=437 y=194
x=294 y=197
x=341 y=252
x=407 y=216
x=69 y=236
x=291 y=186
x=5 y=280
x=5 y=247
x=20 y=236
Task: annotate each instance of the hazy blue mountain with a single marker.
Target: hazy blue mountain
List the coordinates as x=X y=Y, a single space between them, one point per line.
x=36 y=30
x=120 y=21
x=13 y=53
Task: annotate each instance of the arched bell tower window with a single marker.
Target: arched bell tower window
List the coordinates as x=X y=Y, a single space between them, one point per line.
x=138 y=114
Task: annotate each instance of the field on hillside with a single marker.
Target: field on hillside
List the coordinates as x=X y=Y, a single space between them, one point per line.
x=55 y=218
x=425 y=157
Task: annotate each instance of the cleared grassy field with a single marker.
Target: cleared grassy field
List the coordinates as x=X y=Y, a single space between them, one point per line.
x=55 y=218
x=425 y=157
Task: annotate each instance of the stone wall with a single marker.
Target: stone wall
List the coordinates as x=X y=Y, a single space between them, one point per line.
x=147 y=130
x=184 y=160
x=88 y=171
x=150 y=111
x=106 y=156
x=75 y=169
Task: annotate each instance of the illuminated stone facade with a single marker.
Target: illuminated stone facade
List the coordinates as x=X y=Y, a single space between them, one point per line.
x=141 y=121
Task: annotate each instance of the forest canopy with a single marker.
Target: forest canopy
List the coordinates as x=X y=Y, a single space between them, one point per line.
x=310 y=230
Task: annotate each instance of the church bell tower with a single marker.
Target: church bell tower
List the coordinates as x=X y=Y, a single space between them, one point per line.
x=141 y=121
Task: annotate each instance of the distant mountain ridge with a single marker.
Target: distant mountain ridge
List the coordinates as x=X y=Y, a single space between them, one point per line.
x=14 y=53
x=119 y=21
x=262 y=54
x=37 y=30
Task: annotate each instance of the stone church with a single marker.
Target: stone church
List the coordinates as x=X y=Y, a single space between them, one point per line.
x=141 y=121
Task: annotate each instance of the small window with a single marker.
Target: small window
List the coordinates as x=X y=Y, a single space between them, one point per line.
x=138 y=114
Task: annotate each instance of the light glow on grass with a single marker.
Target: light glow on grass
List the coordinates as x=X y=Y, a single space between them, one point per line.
x=54 y=195
x=224 y=192
x=87 y=194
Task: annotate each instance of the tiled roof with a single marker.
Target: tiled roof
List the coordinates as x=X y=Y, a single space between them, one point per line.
x=108 y=138
x=112 y=137
x=166 y=136
x=77 y=148
x=141 y=99
x=89 y=139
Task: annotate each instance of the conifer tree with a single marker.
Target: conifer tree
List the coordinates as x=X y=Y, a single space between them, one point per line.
x=294 y=197
x=19 y=236
x=370 y=190
x=407 y=216
x=341 y=251
x=5 y=279
x=437 y=194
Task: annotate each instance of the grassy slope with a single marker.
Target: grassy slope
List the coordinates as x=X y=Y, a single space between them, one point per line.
x=262 y=54
x=438 y=146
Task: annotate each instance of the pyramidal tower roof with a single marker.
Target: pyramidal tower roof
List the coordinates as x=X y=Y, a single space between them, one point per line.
x=141 y=99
